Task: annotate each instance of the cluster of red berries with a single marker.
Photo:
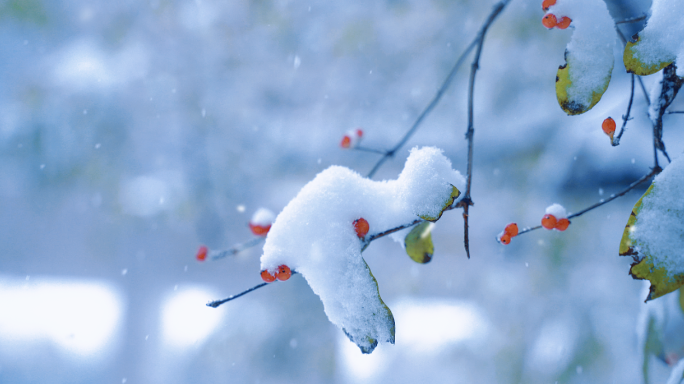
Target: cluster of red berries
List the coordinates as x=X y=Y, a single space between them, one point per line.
x=361 y=227
x=550 y=222
x=352 y=138
x=282 y=273
x=550 y=20
x=509 y=232
x=608 y=127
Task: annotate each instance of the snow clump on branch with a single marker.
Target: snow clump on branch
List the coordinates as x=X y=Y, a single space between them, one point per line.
x=315 y=236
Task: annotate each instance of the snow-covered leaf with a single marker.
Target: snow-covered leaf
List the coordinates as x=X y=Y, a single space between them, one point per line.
x=585 y=76
x=654 y=234
x=448 y=201
x=315 y=236
x=419 y=243
x=660 y=42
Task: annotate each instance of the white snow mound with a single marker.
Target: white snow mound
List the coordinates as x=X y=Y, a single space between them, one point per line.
x=314 y=235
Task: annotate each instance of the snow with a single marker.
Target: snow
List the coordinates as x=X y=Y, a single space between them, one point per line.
x=655 y=106
x=314 y=235
x=658 y=230
x=589 y=54
x=662 y=40
x=556 y=210
x=262 y=217
x=677 y=375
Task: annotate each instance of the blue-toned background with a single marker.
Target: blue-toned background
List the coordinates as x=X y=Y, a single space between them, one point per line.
x=132 y=132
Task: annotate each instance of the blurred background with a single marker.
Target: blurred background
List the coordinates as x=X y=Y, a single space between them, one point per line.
x=132 y=132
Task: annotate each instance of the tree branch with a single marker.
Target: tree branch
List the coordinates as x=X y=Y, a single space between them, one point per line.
x=426 y=111
x=654 y=171
x=216 y=303
x=625 y=118
x=466 y=202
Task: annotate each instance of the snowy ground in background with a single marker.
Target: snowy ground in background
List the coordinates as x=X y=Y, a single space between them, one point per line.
x=132 y=133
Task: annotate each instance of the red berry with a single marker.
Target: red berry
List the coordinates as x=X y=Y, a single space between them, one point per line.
x=359 y=132
x=562 y=224
x=346 y=142
x=260 y=230
x=511 y=230
x=564 y=22
x=202 y=253
x=361 y=226
x=548 y=221
x=547 y=3
x=505 y=239
x=267 y=277
x=608 y=127
x=283 y=272
x=549 y=20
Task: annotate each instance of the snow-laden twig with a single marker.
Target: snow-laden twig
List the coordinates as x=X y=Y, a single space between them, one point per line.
x=654 y=171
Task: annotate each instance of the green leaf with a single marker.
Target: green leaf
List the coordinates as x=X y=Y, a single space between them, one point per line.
x=454 y=193
x=419 y=243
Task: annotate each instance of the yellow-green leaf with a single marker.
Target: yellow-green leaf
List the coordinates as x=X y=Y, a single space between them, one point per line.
x=448 y=201
x=573 y=98
x=654 y=227
x=419 y=243
x=634 y=59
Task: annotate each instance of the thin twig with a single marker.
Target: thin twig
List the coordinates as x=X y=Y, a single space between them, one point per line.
x=216 y=303
x=653 y=172
x=632 y=20
x=215 y=255
x=466 y=202
x=426 y=111
x=671 y=112
x=625 y=118
x=372 y=150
